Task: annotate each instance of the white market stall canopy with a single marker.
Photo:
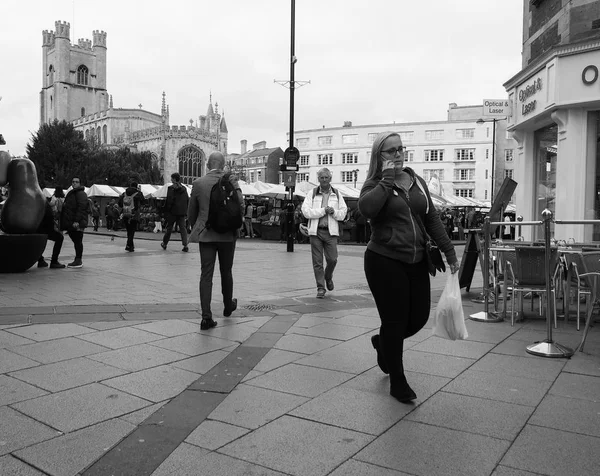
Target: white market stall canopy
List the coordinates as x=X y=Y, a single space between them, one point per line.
x=48 y=192
x=99 y=190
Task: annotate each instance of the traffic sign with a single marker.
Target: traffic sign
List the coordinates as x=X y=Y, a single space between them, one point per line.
x=291 y=155
x=289 y=179
x=496 y=107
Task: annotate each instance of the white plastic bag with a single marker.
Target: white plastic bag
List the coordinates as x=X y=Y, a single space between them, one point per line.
x=449 y=316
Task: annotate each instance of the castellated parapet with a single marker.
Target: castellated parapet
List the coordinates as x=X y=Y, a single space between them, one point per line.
x=62 y=29
x=99 y=37
x=48 y=38
x=84 y=44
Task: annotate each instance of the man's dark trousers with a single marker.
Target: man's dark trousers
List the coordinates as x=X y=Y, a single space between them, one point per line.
x=208 y=255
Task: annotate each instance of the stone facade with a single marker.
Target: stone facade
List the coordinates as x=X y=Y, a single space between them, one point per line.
x=74 y=89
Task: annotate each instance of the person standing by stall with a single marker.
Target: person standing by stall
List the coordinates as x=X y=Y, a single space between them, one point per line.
x=130 y=203
x=175 y=210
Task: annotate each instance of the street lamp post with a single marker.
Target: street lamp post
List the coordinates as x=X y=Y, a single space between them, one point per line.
x=355 y=176
x=481 y=121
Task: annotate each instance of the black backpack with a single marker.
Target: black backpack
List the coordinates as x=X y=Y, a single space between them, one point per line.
x=224 y=212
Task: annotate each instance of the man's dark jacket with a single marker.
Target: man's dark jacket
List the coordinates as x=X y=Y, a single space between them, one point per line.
x=75 y=209
x=177 y=200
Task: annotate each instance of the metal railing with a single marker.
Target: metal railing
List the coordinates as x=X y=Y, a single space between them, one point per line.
x=548 y=347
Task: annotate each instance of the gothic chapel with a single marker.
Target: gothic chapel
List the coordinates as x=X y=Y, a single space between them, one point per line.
x=74 y=89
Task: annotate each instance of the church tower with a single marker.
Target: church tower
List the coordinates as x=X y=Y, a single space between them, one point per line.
x=73 y=76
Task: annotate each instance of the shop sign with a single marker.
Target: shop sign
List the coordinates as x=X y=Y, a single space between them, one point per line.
x=496 y=107
x=526 y=93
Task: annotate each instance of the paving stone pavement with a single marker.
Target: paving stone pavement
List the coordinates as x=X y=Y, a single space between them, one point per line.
x=104 y=371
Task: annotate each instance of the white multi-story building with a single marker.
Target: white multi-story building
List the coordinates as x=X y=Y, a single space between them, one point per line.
x=458 y=151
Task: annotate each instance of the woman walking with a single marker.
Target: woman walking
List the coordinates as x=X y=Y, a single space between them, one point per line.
x=395 y=261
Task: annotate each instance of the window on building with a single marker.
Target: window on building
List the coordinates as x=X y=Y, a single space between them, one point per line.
x=302 y=142
x=372 y=136
x=104 y=134
x=428 y=174
x=407 y=136
x=409 y=156
x=465 y=133
x=464 y=154
x=464 y=174
x=302 y=177
x=82 y=75
x=486 y=192
x=487 y=154
x=258 y=174
x=434 y=155
x=82 y=111
x=486 y=174
x=87 y=134
x=508 y=173
x=304 y=159
x=324 y=140
x=252 y=175
x=350 y=158
x=508 y=155
x=350 y=139
x=464 y=192
x=325 y=159
x=349 y=176
x=190 y=164
x=487 y=132
x=51 y=75
x=434 y=135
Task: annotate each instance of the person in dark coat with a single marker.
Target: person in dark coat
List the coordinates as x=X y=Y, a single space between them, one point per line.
x=175 y=211
x=48 y=227
x=74 y=219
x=131 y=222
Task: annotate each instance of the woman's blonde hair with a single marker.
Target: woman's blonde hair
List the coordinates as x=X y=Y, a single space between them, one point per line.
x=376 y=161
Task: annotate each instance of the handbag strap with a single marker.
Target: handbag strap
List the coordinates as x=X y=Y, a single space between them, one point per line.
x=416 y=217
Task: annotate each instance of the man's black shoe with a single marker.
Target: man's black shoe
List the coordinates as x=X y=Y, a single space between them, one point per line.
x=163 y=246
x=227 y=312
x=42 y=263
x=329 y=284
x=206 y=324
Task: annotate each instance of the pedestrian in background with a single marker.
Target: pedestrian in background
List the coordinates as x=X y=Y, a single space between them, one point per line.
x=324 y=208
x=175 y=210
x=110 y=214
x=248 y=221
x=49 y=227
x=95 y=212
x=211 y=242
x=74 y=219
x=130 y=202
x=395 y=263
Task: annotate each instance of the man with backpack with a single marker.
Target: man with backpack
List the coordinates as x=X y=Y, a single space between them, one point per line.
x=324 y=207
x=215 y=212
x=130 y=203
x=175 y=210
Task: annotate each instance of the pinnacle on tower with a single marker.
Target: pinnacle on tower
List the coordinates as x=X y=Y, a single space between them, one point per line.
x=163 y=109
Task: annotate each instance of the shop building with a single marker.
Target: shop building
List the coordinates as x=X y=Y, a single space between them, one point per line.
x=555 y=102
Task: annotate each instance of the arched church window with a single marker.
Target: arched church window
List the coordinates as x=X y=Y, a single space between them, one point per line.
x=51 y=102
x=189 y=159
x=104 y=134
x=82 y=111
x=98 y=136
x=51 y=75
x=87 y=134
x=82 y=75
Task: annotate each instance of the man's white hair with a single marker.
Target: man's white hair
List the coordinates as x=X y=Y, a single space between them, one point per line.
x=324 y=171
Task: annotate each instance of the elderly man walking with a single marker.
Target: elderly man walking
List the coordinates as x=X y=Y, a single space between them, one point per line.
x=324 y=207
x=212 y=242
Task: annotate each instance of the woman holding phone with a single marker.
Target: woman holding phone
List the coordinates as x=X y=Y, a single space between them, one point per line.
x=395 y=261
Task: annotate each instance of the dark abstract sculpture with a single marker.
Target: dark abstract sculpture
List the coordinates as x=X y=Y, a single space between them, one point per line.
x=22 y=213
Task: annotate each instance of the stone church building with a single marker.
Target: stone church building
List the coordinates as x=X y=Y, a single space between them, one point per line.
x=74 y=89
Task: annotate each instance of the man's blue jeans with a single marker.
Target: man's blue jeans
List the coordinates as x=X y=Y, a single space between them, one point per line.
x=208 y=256
x=321 y=244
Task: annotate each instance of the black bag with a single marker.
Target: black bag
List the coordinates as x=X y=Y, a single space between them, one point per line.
x=224 y=212
x=435 y=262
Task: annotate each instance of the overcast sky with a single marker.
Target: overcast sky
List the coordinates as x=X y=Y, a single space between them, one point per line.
x=368 y=62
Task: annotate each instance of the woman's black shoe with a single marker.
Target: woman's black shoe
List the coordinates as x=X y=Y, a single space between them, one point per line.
x=402 y=392
x=380 y=361
x=206 y=324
